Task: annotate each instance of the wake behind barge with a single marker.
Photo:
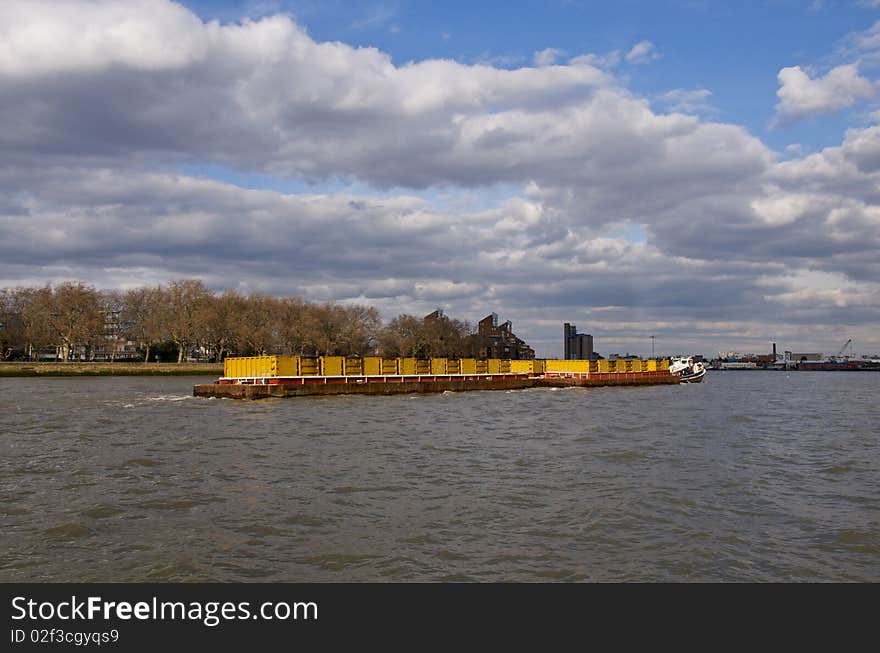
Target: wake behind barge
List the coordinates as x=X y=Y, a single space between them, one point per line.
x=262 y=377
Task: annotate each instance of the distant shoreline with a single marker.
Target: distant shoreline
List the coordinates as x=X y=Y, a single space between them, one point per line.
x=19 y=369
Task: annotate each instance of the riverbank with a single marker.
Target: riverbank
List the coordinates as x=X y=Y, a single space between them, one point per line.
x=16 y=369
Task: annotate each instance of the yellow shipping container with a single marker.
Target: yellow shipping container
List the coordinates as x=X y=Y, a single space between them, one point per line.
x=438 y=366
x=603 y=367
x=354 y=367
x=468 y=365
x=482 y=366
x=389 y=366
x=522 y=366
x=407 y=365
x=332 y=365
x=372 y=366
x=423 y=366
x=231 y=367
x=261 y=366
x=287 y=365
x=499 y=366
x=559 y=365
x=540 y=366
x=554 y=365
x=308 y=367
x=453 y=366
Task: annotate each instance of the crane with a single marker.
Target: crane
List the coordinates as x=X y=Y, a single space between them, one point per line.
x=848 y=343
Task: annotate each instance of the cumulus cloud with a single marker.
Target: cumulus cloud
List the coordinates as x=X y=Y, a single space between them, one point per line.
x=103 y=103
x=261 y=96
x=547 y=56
x=801 y=96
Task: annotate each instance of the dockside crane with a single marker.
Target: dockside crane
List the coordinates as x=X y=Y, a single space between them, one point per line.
x=848 y=343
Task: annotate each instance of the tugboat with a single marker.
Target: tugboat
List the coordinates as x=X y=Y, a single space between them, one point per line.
x=686 y=369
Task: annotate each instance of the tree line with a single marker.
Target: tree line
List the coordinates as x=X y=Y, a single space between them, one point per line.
x=183 y=318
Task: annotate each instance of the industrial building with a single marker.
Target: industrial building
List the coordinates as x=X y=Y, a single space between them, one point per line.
x=496 y=340
x=577 y=346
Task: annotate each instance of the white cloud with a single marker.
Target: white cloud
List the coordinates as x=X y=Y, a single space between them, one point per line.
x=39 y=37
x=547 y=56
x=604 y=61
x=687 y=101
x=641 y=53
x=800 y=95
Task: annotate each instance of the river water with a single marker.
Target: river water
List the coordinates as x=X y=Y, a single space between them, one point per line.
x=750 y=476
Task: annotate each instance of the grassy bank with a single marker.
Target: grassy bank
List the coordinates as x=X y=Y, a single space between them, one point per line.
x=110 y=369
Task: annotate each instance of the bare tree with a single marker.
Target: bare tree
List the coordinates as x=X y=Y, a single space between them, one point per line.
x=325 y=328
x=257 y=324
x=218 y=318
x=435 y=335
x=444 y=336
x=74 y=316
x=11 y=325
x=359 y=330
x=296 y=324
x=33 y=306
x=181 y=309
x=142 y=317
x=404 y=336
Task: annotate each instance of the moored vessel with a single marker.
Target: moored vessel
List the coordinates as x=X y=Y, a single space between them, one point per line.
x=686 y=369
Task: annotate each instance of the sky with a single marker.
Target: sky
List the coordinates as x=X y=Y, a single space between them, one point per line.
x=695 y=175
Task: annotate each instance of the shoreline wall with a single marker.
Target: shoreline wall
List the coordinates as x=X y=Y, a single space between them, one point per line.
x=16 y=369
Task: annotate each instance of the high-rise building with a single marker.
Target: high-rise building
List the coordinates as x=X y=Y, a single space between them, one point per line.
x=578 y=346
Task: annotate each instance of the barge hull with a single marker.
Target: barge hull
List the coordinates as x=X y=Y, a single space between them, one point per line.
x=324 y=386
x=608 y=379
x=265 y=391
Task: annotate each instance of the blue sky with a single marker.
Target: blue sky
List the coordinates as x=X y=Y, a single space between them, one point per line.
x=704 y=172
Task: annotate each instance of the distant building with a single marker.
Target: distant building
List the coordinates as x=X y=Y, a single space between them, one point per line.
x=578 y=346
x=496 y=340
x=623 y=357
x=735 y=357
x=806 y=357
x=436 y=316
x=737 y=365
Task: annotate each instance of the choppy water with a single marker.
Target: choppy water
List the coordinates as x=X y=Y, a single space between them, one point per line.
x=751 y=476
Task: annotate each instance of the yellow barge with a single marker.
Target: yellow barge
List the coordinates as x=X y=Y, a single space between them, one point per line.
x=259 y=377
